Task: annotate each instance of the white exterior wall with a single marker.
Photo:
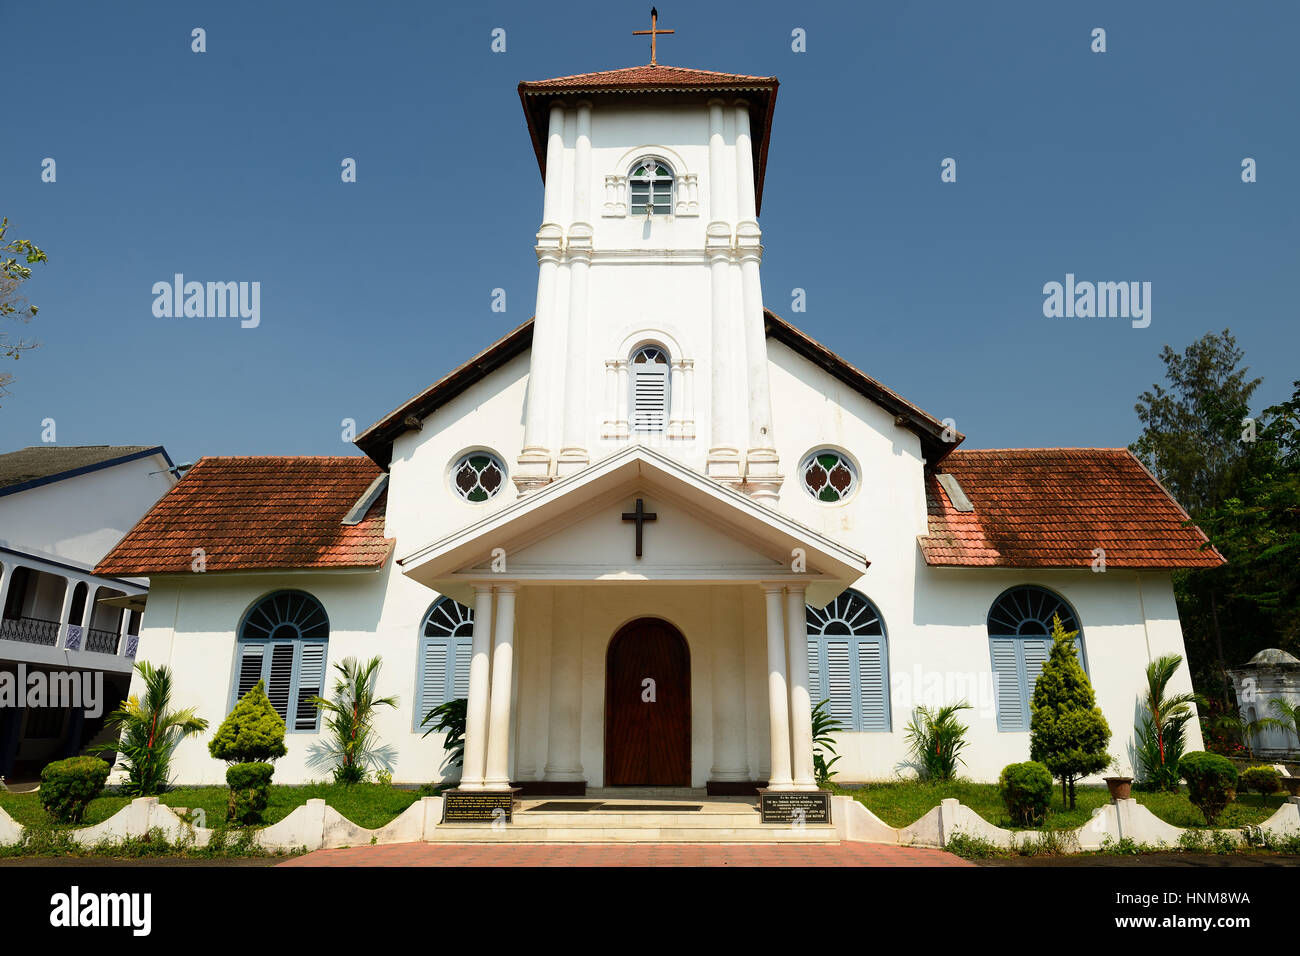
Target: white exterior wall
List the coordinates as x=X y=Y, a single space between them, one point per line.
x=79 y=519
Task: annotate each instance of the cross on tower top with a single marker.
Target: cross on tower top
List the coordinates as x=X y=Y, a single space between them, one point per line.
x=653 y=33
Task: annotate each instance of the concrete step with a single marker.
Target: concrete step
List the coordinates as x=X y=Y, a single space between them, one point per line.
x=513 y=833
x=596 y=819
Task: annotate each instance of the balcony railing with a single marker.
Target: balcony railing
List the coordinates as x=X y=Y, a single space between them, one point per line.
x=97 y=639
x=30 y=630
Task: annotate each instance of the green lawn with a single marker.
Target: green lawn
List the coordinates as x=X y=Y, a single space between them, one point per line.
x=368 y=805
x=902 y=803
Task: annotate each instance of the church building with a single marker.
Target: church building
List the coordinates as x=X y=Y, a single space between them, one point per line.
x=644 y=533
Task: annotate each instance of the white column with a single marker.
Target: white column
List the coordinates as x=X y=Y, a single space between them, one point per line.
x=6 y=577
x=573 y=453
x=546 y=361
x=676 y=399
x=476 y=708
x=620 y=424
x=728 y=666
x=497 y=773
x=796 y=632
x=609 y=428
x=724 y=461
x=65 y=613
x=778 y=707
x=719 y=181
x=564 y=740
x=688 y=417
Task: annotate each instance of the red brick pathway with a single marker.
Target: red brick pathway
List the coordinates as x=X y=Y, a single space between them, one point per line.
x=637 y=854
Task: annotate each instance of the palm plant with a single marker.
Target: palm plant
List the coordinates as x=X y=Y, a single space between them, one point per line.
x=351 y=747
x=1161 y=735
x=824 y=727
x=150 y=731
x=936 y=739
x=450 y=719
x=1288 y=716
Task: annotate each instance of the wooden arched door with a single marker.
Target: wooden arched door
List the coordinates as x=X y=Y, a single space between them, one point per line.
x=648 y=706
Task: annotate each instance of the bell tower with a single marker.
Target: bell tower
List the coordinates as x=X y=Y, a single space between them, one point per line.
x=649 y=321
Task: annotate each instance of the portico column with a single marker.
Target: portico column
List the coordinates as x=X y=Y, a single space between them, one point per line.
x=778 y=712
x=476 y=707
x=65 y=613
x=796 y=630
x=497 y=776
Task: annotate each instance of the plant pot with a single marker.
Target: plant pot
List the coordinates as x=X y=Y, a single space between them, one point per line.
x=1121 y=788
x=1292 y=785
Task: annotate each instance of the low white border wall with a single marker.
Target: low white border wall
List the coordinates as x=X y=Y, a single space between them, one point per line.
x=316 y=826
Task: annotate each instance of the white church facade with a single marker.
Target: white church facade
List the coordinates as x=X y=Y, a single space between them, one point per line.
x=645 y=532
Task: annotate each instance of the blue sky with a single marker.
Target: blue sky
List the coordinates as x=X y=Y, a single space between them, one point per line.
x=1122 y=166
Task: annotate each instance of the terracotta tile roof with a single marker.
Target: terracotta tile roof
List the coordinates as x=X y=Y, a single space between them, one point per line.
x=663 y=82
x=258 y=513
x=1050 y=507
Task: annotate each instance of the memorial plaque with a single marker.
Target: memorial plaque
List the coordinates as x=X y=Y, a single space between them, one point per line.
x=478 y=806
x=794 y=807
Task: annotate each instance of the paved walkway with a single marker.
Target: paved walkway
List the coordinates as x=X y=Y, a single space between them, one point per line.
x=636 y=854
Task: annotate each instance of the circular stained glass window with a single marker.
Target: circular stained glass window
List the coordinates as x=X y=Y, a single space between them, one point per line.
x=478 y=476
x=828 y=475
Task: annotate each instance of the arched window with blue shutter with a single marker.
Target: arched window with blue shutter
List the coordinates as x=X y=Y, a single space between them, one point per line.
x=443 y=670
x=284 y=642
x=650 y=381
x=848 y=662
x=1020 y=641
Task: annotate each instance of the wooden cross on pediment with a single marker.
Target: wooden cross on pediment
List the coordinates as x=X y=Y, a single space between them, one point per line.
x=653 y=33
x=640 y=516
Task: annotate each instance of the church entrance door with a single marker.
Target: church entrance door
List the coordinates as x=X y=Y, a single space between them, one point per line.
x=648 y=706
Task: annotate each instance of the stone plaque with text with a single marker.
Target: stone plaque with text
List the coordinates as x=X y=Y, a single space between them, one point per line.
x=478 y=806
x=795 y=807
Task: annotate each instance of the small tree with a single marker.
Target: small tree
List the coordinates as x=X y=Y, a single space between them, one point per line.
x=824 y=728
x=1161 y=734
x=1067 y=732
x=936 y=739
x=351 y=746
x=253 y=733
x=249 y=739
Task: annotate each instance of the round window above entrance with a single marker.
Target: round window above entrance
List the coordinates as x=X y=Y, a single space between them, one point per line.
x=478 y=476
x=828 y=475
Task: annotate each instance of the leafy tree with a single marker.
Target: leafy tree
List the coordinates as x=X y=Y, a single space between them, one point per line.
x=13 y=274
x=351 y=747
x=1067 y=732
x=252 y=733
x=1161 y=734
x=151 y=731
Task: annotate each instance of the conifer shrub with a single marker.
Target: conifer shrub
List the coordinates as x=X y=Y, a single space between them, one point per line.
x=249 y=739
x=1067 y=732
x=1211 y=782
x=1026 y=789
x=68 y=786
x=250 y=792
x=1261 y=779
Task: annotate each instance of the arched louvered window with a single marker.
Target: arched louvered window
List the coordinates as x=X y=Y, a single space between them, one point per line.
x=650 y=368
x=848 y=662
x=1020 y=641
x=651 y=184
x=443 y=670
x=284 y=642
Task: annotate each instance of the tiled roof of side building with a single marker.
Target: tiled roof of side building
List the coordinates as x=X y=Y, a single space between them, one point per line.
x=258 y=513
x=1053 y=507
x=39 y=464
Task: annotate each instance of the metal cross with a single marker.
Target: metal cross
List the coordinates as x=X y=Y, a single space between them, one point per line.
x=640 y=516
x=653 y=33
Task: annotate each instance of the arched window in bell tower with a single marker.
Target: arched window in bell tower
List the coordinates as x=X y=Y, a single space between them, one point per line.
x=650 y=367
x=651 y=184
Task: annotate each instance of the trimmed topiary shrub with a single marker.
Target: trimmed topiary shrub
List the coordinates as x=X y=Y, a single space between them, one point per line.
x=68 y=786
x=253 y=733
x=250 y=792
x=1211 y=782
x=1026 y=789
x=1263 y=780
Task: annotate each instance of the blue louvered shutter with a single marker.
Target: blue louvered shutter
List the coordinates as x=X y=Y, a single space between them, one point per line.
x=814 y=672
x=311 y=683
x=872 y=694
x=250 y=669
x=433 y=685
x=279 y=678
x=839 y=683
x=1007 y=685
x=460 y=670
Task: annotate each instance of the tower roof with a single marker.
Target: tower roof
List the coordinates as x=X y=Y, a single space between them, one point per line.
x=655 y=83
